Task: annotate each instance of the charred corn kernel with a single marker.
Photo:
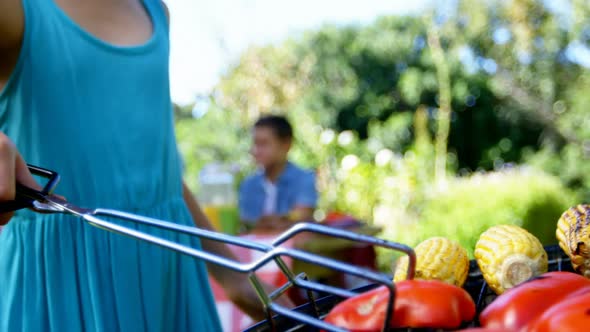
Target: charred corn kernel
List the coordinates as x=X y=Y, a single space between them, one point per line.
x=508 y=255
x=573 y=234
x=437 y=258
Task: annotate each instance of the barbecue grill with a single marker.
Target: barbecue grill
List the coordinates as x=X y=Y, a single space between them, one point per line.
x=307 y=317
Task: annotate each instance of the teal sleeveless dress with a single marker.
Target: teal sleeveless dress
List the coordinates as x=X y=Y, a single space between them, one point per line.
x=101 y=116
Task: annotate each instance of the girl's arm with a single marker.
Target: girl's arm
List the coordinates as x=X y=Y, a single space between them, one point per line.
x=12 y=24
x=236 y=285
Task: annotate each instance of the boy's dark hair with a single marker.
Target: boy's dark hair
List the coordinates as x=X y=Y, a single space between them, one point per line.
x=279 y=125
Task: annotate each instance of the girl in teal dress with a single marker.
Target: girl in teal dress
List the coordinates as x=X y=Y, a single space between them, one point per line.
x=100 y=115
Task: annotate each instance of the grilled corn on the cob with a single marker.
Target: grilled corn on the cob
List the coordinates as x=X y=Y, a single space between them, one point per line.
x=573 y=234
x=508 y=255
x=437 y=258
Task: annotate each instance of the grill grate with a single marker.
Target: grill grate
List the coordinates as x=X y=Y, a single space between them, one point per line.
x=475 y=286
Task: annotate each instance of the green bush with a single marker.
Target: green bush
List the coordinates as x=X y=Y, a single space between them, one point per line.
x=467 y=206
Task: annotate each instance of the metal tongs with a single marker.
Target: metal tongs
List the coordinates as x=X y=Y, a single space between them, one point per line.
x=43 y=201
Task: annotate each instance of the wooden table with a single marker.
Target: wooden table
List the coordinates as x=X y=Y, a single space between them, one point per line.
x=323 y=245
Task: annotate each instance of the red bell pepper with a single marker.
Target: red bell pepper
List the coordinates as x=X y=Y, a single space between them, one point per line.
x=418 y=304
x=525 y=303
x=569 y=315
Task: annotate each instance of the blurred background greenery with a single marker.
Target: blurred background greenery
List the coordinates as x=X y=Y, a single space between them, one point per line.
x=440 y=124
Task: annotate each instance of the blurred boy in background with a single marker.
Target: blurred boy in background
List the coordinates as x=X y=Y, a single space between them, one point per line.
x=280 y=193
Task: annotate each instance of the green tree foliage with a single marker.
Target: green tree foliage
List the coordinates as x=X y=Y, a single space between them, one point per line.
x=344 y=78
x=510 y=63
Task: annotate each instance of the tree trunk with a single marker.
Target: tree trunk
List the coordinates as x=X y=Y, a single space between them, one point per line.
x=444 y=111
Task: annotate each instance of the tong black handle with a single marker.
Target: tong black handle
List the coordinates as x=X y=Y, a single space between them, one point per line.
x=25 y=196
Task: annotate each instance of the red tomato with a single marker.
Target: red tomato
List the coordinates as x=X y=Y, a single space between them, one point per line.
x=362 y=313
x=418 y=303
x=431 y=303
x=570 y=315
x=526 y=302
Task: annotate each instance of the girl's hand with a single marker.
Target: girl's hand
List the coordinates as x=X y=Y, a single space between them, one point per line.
x=12 y=169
